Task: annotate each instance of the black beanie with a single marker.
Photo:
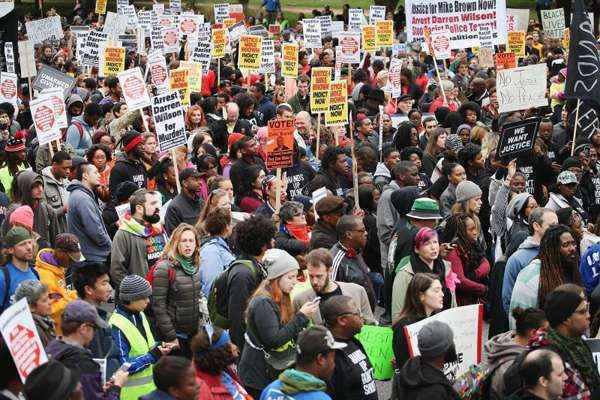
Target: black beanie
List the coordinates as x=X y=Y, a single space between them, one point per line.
x=560 y=305
x=570 y=162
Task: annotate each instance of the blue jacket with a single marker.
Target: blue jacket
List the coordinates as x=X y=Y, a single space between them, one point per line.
x=519 y=260
x=80 y=139
x=589 y=268
x=16 y=276
x=215 y=257
x=273 y=392
x=84 y=220
x=122 y=344
x=157 y=395
x=267 y=109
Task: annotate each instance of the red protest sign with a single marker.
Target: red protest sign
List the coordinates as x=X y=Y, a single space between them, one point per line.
x=280 y=143
x=505 y=61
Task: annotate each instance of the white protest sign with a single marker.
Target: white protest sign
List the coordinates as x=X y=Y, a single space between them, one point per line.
x=376 y=13
x=521 y=88
x=9 y=55
x=221 y=12
x=81 y=33
x=467 y=326
x=156 y=38
x=169 y=123
x=337 y=27
x=145 y=20
x=170 y=40
x=22 y=339
x=43 y=29
x=134 y=89
x=312 y=33
x=175 y=6
x=236 y=31
x=94 y=41
x=27 y=59
x=517 y=19
x=121 y=4
x=553 y=22
x=440 y=42
x=8 y=87
x=6 y=6
x=350 y=48
x=201 y=55
x=325 y=22
x=267 y=63
x=189 y=25
x=132 y=19
x=159 y=73
x=355 y=19
x=485 y=36
x=461 y=17
x=44 y=119
x=158 y=8
x=115 y=24
x=57 y=100
x=394 y=84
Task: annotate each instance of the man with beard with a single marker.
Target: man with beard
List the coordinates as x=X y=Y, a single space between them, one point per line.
x=353 y=376
x=301 y=100
x=140 y=239
x=186 y=206
x=422 y=377
x=129 y=168
x=18 y=244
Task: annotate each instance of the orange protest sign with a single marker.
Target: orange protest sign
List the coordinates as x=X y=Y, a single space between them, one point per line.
x=250 y=52
x=319 y=89
x=384 y=33
x=280 y=143
x=219 y=41
x=228 y=22
x=289 y=65
x=369 y=38
x=505 y=61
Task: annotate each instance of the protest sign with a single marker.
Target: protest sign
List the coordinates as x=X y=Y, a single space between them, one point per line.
x=289 y=63
x=170 y=40
x=9 y=56
x=440 y=42
x=311 y=29
x=6 y=6
x=486 y=39
x=219 y=41
x=159 y=74
x=114 y=61
x=376 y=13
x=158 y=8
x=377 y=342
x=594 y=346
x=467 y=325
x=280 y=143
x=350 y=47
x=517 y=138
x=134 y=89
x=131 y=16
x=175 y=6
x=93 y=43
x=121 y=4
x=156 y=38
x=58 y=103
x=8 y=88
x=115 y=24
x=236 y=11
x=516 y=43
x=250 y=52
x=566 y=40
x=101 y=6
x=505 y=61
x=228 y=22
x=168 y=116
x=394 y=84
x=179 y=81
x=461 y=17
x=21 y=337
x=325 y=24
x=201 y=55
x=553 y=22
x=81 y=33
x=588 y=120
x=275 y=30
x=319 y=89
x=44 y=120
x=267 y=62
x=337 y=27
x=188 y=25
x=221 y=12
x=399 y=50
x=49 y=77
x=338 y=104
x=486 y=57
x=355 y=19
x=384 y=33
x=369 y=38
x=39 y=30
x=517 y=19
x=234 y=32
x=27 y=59
x=258 y=30
x=194 y=75
x=522 y=88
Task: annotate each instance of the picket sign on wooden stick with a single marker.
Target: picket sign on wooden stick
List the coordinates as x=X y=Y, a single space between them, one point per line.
x=354 y=173
x=176 y=168
x=278 y=191
x=575 y=127
x=318 y=136
x=218 y=72
x=427 y=35
x=30 y=88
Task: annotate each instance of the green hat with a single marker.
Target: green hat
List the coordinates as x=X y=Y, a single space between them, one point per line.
x=15 y=236
x=425 y=208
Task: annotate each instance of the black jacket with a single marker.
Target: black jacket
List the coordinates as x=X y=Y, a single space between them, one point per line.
x=220 y=134
x=322 y=236
x=418 y=380
x=127 y=170
x=239 y=174
x=285 y=241
x=182 y=209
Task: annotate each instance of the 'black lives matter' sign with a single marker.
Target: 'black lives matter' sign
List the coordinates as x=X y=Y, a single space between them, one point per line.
x=517 y=138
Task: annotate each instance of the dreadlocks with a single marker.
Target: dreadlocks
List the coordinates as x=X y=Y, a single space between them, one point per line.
x=469 y=252
x=552 y=274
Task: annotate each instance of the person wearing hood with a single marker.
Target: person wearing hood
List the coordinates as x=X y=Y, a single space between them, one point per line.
x=84 y=217
x=422 y=377
x=130 y=167
x=81 y=129
x=74 y=106
x=383 y=176
x=518 y=211
x=140 y=240
x=56 y=181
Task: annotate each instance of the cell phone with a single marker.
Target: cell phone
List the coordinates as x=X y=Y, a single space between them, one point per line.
x=125 y=367
x=316 y=299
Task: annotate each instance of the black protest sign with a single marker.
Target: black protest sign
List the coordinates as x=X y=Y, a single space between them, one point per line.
x=48 y=78
x=517 y=138
x=594 y=346
x=588 y=120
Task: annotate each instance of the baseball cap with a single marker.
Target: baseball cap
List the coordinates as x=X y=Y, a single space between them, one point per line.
x=188 y=173
x=317 y=339
x=566 y=178
x=69 y=243
x=330 y=205
x=84 y=312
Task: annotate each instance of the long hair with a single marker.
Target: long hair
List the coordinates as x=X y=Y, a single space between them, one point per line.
x=413 y=307
x=551 y=272
x=270 y=288
x=469 y=252
x=432 y=148
x=171 y=250
x=211 y=201
x=188 y=118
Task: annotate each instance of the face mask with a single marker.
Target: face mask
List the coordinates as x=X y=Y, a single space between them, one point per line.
x=153 y=218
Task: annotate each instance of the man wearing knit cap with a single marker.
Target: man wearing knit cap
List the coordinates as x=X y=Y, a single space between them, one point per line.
x=130 y=167
x=422 y=377
x=18 y=243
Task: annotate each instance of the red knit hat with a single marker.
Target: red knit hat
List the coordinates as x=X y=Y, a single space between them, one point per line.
x=16 y=143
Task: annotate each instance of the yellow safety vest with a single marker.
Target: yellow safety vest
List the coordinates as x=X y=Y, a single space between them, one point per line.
x=140 y=383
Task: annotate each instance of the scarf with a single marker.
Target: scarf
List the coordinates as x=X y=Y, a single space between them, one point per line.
x=300 y=232
x=294 y=381
x=439 y=269
x=231 y=386
x=129 y=224
x=579 y=355
x=187 y=264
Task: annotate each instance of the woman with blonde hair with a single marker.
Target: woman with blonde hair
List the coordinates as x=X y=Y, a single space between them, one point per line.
x=272 y=326
x=177 y=297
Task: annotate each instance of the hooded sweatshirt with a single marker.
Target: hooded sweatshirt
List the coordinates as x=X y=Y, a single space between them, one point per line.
x=56 y=194
x=501 y=352
x=127 y=170
x=527 y=251
x=79 y=135
x=418 y=380
x=298 y=385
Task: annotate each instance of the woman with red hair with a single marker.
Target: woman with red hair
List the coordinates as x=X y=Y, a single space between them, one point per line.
x=194 y=119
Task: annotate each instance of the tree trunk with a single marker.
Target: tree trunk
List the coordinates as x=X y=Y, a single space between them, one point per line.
x=389 y=4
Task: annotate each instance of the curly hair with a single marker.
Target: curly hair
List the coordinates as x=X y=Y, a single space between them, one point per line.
x=330 y=156
x=403 y=135
x=253 y=234
x=211 y=361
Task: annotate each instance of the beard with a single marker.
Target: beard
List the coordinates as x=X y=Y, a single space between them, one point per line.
x=322 y=288
x=152 y=218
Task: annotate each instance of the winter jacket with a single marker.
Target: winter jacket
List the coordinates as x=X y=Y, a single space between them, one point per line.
x=447 y=200
x=515 y=263
x=387 y=217
x=80 y=359
x=589 y=268
x=212 y=387
x=525 y=292
x=135 y=248
x=299 y=104
x=501 y=351
x=84 y=220
x=56 y=195
x=239 y=171
x=182 y=209
x=557 y=201
x=265 y=106
x=79 y=135
x=220 y=132
x=176 y=301
x=53 y=275
x=348 y=266
x=102 y=345
x=127 y=170
x=285 y=241
x=266 y=330
x=399 y=343
x=298 y=385
x=45 y=328
x=418 y=380
x=215 y=257
x=469 y=291
x=322 y=236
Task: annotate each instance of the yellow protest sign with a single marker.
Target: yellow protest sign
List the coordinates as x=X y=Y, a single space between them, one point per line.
x=250 y=52
x=101 y=6
x=219 y=41
x=319 y=89
x=179 y=81
x=384 y=33
x=289 y=65
x=516 y=43
x=114 y=61
x=194 y=74
x=338 y=104
x=229 y=22
x=566 y=39
x=369 y=38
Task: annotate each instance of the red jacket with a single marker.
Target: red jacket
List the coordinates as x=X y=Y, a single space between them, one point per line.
x=468 y=291
x=211 y=387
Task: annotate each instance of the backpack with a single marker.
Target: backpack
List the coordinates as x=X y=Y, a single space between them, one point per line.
x=79 y=127
x=6 y=275
x=218 y=296
x=150 y=275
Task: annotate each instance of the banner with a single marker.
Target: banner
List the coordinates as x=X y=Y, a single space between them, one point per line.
x=369 y=38
x=355 y=19
x=39 y=30
x=27 y=59
x=179 y=81
x=350 y=45
x=267 y=62
x=338 y=104
x=517 y=19
x=384 y=33
x=159 y=73
x=114 y=61
x=49 y=77
x=376 y=13
x=134 y=89
x=516 y=43
x=219 y=41
x=461 y=17
x=319 y=89
x=221 y=11
x=394 y=85
x=44 y=120
x=289 y=64
x=21 y=337
x=58 y=103
x=521 y=88
x=280 y=143
x=553 y=22
x=168 y=116
x=505 y=61
x=517 y=138
x=467 y=325
x=440 y=42
x=311 y=29
x=250 y=52
x=377 y=341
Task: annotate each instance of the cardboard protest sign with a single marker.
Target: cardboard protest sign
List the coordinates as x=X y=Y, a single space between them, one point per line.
x=338 y=103
x=394 y=84
x=522 y=88
x=8 y=88
x=49 y=77
x=131 y=16
x=461 y=17
x=27 y=59
x=114 y=61
x=369 y=38
x=44 y=120
x=179 y=81
x=235 y=31
x=93 y=43
x=58 y=103
x=319 y=89
x=289 y=63
x=168 y=116
x=170 y=40
x=22 y=339
x=516 y=43
x=134 y=89
x=159 y=73
x=517 y=138
x=553 y=22
x=377 y=342
x=517 y=19
x=39 y=30
x=280 y=143
x=258 y=30
x=384 y=33
x=355 y=19
x=337 y=27
x=267 y=62
x=221 y=12
x=350 y=46
x=440 y=42
x=467 y=325
x=250 y=52
x=219 y=41
x=311 y=29
x=376 y=13
x=505 y=61
x=201 y=55
x=9 y=56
